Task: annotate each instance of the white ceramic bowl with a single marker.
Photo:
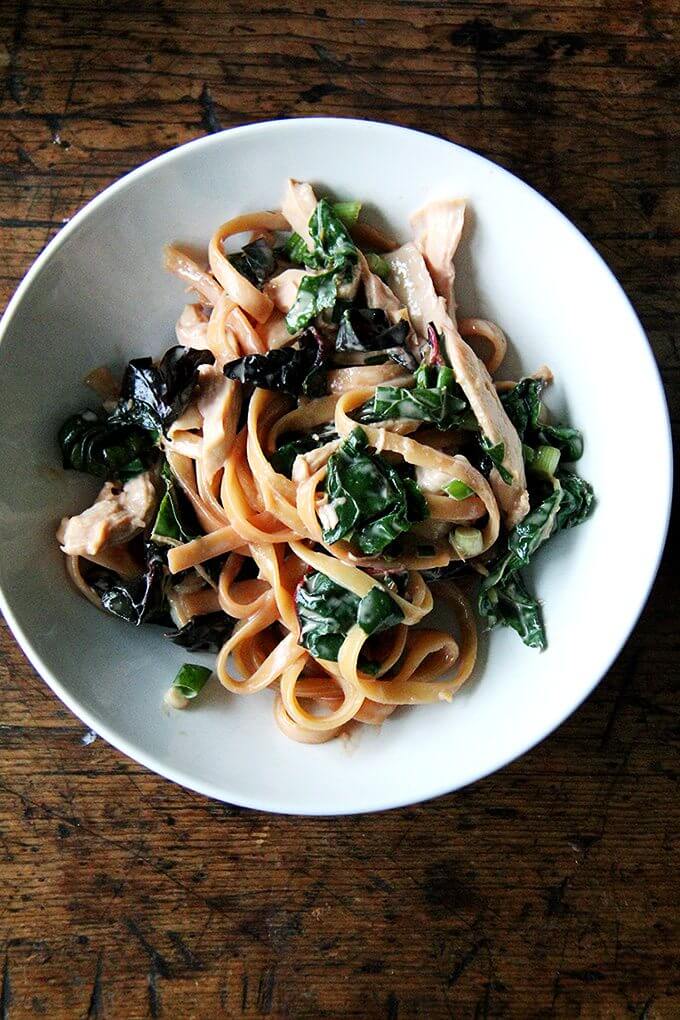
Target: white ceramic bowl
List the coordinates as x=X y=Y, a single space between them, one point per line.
x=98 y=294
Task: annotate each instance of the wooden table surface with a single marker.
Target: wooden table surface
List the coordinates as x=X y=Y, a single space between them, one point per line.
x=549 y=889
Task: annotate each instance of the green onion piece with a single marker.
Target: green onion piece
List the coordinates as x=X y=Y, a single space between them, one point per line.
x=545 y=462
x=378 y=265
x=422 y=376
x=191 y=679
x=347 y=211
x=528 y=453
x=296 y=249
x=445 y=377
x=457 y=489
x=467 y=542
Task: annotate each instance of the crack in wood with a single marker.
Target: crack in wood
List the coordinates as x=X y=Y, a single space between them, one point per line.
x=95 y=1009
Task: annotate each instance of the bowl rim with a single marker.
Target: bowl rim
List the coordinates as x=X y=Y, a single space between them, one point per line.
x=261 y=802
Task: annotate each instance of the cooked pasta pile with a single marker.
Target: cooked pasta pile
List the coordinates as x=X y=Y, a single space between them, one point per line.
x=322 y=451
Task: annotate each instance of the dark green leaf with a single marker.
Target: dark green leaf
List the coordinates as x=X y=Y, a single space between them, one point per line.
x=315 y=293
x=503 y=598
x=333 y=254
x=440 y=407
x=140 y=599
x=292 y=445
x=294 y=370
x=203 y=633
x=175 y=521
x=153 y=396
x=256 y=261
x=368 y=329
x=510 y=604
x=378 y=611
x=371 y=502
x=523 y=405
x=577 y=500
x=94 y=444
x=535 y=529
x=327 y=612
x=568 y=440
x=496 y=454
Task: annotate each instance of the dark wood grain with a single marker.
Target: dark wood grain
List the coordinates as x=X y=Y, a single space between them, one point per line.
x=548 y=890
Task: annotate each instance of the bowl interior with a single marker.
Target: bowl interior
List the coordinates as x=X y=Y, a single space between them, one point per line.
x=99 y=295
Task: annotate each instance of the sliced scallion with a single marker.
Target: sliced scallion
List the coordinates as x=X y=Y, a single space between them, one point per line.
x=191 y=679
x=545 y=462
x=347 y=211
x=445 y=377
x=457 y=489
x=467 y=542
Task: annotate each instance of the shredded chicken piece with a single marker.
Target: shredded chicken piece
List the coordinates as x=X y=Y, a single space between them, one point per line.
x=116 y=516
x=411 y=282
x=378 y=294
x=219 y=400
x=306 y=464
x=437 y=229
x=431 y=479
x=191 y=328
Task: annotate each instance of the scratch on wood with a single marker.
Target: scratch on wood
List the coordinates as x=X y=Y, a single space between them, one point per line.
x=15 y=81
x=5 y=991
x=464 y=963
x=185 y=951
x=95 y=1010
x=154 y=994
x=209 y=118
x=482 y=1006
x=159 y=964
x=392 y=1007
x=265 y=990
x=244 y=993
x=628 y=674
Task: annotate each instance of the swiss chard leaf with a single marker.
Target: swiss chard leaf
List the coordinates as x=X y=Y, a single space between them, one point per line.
x=577 y=500
x=139 y=599
x=496 y=453
x=327 y=611
x=568 y=440
x=334 y=255
x=510 y=604
x=369 y=503
x=314 y=294
x=94 y=444
x=203 y=633
x=368 y=329
x=255 y=261
x=503 y=597
x=292 y=445
x=535 y=529
x=437 y=405
x=294 y=370
x=153 y=396
x=175 y=521
x=523 y=406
